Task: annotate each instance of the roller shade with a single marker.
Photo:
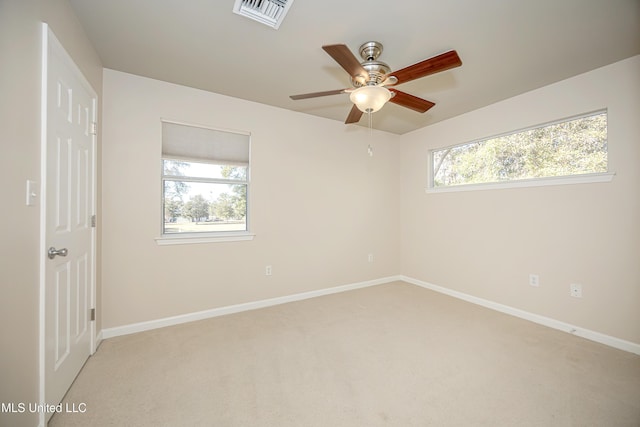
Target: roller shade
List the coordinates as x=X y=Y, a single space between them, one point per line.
x=201 y=144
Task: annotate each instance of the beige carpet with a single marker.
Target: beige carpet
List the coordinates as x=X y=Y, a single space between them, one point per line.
x=389 y=355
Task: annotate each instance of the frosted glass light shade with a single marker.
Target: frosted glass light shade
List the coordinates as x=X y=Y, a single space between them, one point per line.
x=370 y=99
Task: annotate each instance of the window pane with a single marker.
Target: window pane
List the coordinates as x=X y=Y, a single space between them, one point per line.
x=204 y=170
x=572 y=147
x=192 y=207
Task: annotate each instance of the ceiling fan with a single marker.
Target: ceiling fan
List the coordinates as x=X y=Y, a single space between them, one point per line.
x=371 y=79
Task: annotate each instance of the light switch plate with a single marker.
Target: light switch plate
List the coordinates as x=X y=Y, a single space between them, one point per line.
x=32 y=193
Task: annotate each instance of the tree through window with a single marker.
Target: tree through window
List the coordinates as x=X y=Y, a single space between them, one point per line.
x=572 y=147
x=205 y=180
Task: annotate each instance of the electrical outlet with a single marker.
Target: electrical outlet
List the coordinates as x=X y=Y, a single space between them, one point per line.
x=575 y=290
x=370 y=258
x=534 y=280
x=267 y=270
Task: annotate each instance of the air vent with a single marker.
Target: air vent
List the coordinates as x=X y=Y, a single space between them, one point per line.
x=268 y=12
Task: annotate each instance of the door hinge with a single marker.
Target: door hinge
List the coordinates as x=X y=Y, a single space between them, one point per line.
x=93 y=314
x=94 y=128
x=93 y=221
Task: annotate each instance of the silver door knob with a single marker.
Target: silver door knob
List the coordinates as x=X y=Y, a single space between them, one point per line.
x=53 y=252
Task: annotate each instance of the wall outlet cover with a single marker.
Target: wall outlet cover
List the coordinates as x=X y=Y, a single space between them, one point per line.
x=575 y=290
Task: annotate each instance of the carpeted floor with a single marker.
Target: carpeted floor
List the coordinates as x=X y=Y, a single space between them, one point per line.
x=388 y=355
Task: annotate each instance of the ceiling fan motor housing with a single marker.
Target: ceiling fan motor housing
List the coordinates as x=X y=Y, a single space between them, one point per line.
x=370 y=51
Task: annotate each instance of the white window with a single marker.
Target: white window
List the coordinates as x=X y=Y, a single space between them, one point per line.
x=205 y=184
x=575 y=147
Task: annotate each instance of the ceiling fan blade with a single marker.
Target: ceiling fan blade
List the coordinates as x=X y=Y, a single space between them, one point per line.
x=347 y=60
x=354 y=115
x=429 y=66
x=412 y=102
x=317 y=94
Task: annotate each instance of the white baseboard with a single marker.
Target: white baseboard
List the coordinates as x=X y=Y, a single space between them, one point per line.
x=221 y=311
x=542 y=320
x=99 y=339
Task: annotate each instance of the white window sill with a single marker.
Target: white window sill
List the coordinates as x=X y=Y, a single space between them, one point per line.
x=537 y=182
x=188 y=239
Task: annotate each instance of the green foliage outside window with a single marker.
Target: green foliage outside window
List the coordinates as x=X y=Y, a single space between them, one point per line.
x=573 y=147
x=200 y=197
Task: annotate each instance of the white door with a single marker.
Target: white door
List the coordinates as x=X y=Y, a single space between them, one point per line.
x=68 y=186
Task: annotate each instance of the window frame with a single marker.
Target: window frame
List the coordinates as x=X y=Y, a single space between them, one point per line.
x=582 y=178
x=204 y=236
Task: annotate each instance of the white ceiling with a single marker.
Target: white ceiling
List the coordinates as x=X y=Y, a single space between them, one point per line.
x=507 y=47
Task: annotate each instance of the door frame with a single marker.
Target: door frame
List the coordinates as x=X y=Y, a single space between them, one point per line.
x=49 y=41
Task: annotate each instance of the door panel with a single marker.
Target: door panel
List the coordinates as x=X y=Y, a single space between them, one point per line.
x=61 y=327
x=69 y=186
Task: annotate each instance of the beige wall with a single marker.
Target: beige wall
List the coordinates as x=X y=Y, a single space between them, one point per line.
x=486 y=243
x=20 y=51
x=319 y=205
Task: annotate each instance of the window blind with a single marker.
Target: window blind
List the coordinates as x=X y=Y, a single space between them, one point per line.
x=194 y=143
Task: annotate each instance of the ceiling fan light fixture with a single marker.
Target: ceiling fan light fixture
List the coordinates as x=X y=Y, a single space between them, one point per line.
x=370 y=99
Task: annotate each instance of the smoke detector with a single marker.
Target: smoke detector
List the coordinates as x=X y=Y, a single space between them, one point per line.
x=267 y=12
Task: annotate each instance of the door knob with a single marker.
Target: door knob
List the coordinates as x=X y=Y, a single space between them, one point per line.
x=53 y=252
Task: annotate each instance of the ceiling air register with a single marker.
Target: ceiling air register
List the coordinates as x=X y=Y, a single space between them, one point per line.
x=268 y=12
